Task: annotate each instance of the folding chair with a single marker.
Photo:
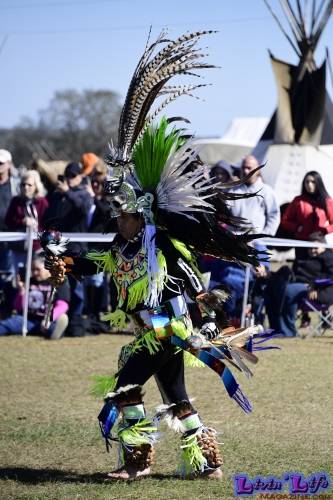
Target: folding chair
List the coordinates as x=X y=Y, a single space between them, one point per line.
x=324 y=315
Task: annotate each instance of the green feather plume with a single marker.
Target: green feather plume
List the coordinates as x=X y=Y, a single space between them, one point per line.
x=153 y=150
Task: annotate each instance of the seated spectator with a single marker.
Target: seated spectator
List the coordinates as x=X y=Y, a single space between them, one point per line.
x=232 y=276
x=27 y=210
x=39 y=294
x=282 y=306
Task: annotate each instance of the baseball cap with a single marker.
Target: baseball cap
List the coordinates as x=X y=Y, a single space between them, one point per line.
x=73 y=169
x=5 y=156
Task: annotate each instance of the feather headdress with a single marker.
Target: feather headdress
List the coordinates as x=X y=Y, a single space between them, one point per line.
x=154 y=170
x=149 y=82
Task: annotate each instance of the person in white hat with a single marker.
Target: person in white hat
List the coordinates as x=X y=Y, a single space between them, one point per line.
x=9 y=186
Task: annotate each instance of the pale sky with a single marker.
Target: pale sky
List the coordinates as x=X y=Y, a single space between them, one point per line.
x=49 y=45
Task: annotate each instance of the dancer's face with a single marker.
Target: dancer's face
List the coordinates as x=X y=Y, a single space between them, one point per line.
x=129 y=225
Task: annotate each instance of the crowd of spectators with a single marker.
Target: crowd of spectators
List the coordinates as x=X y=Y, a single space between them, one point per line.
x=280 y=294
x=76 y=204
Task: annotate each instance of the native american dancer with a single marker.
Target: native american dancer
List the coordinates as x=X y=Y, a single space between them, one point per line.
x=167 y=216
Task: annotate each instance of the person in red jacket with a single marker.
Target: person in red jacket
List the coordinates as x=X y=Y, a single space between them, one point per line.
x=27 y=210
x=310 y=212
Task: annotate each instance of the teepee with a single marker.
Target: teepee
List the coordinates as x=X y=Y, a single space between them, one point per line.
x=299 y=136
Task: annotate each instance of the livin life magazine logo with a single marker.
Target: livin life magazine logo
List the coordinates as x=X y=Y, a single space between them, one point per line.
x=291 y=485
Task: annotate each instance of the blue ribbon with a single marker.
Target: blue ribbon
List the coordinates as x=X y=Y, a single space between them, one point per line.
x=215 y=363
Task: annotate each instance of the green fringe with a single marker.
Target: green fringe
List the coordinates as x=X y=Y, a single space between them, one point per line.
x=104 y=261
x=181 y=331
x=191 y=456
x=187 y=254
x=116 y=318
x=103 y=384
x=179 y=328
x=148 y=341
x=137 y=292
x=192 y=361
x=182 y=248
x=140 y=433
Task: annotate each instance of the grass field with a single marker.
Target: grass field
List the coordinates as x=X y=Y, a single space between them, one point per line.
x=51 y=446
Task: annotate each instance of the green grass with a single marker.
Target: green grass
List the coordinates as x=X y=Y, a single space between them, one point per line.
x=50 y=442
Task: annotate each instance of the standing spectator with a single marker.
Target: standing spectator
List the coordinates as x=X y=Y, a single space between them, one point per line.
x=89 y=162
x=99 y=221
x=70 y=205
x=310 y=212
x=27 y=210
x=261 y=211
x=222 y=172
x=68 y=211
x=39 y=295
x=9 y=187
x=283 y=301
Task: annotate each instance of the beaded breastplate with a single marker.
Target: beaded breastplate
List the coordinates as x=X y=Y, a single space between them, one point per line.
x=129 y=271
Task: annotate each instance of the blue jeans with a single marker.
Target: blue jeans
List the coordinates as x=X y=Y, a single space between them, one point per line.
x=284 y=321
x=6 y=259
x=77 y=296
x=234 y=277
x=13 y=326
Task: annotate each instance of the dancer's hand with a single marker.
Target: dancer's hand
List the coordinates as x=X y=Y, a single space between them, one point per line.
x=209 y=330
x=57 y=268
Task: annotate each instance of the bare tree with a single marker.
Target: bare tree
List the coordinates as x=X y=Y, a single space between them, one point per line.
x=73 y=123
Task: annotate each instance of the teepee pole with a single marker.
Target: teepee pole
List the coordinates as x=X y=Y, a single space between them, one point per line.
x=294 y=23
x=302 y=19
x=282 y=28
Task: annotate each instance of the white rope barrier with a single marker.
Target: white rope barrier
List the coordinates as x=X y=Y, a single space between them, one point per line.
x=100 y=238
x=282 y=242
x=74 y=237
